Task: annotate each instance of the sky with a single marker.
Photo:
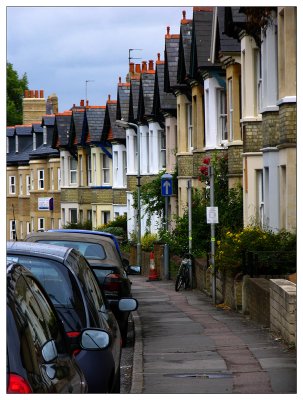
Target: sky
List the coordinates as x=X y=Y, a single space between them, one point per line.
x=80 y=52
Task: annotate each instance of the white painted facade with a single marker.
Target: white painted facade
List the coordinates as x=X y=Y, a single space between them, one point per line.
x=119 y=166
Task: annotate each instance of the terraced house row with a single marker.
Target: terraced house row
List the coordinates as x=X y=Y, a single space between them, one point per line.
x=227 y=83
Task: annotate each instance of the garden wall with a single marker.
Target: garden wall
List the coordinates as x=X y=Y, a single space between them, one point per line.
x=283 y=307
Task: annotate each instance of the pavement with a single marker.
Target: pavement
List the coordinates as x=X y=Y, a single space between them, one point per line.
x=186 y=344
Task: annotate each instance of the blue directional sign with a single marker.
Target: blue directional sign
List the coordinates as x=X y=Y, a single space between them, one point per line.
x=166 y=185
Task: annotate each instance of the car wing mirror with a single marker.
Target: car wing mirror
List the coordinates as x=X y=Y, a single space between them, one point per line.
x=94 y=339
x=49 y=351
x=134 y=270
x=128 y=304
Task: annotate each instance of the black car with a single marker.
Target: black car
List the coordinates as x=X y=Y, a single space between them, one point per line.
x=101 y=251
x=39 y=355
x=74 y=291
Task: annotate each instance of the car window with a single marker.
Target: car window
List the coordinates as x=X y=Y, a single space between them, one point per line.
x=90 y=285
x=32 y=328
x=89 y=250
x=59 y=284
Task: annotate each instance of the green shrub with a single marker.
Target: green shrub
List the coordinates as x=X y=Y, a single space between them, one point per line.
x=87 y=225
x=148 y=240
x=114 y=230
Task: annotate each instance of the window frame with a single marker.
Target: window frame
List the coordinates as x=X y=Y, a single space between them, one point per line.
x=12 y=184
x=41 y=179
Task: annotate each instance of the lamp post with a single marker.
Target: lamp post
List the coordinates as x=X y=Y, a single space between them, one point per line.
x=124 y=124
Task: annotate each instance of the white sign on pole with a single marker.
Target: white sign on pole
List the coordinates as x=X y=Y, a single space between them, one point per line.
x=212 y=215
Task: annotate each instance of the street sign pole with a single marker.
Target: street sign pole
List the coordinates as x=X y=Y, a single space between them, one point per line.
x=212 y=235
x=166 y=191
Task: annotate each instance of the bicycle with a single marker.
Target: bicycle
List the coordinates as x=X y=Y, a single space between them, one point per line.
x=183 y=276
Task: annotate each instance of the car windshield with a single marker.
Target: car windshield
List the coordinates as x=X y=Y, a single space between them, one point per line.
x=60 y=285
x=88 y=250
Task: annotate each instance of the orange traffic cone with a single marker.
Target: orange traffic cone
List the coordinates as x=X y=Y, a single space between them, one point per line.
x=153 y=276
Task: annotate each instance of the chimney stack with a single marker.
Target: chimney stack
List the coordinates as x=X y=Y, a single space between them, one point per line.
x=131 y=67
x=144 y=66
x=138 y=68
x=81 y=103
x=151 y=65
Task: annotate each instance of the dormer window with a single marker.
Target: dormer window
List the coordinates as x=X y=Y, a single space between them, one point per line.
x=16 y=144
x=44 y=135
x=34 y=141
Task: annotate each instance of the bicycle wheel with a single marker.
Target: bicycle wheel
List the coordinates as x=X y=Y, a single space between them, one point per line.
x=179 y=282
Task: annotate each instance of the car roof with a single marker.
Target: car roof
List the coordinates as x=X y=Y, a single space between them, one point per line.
x=90 y=232
x=112 y=255
x=39 y=249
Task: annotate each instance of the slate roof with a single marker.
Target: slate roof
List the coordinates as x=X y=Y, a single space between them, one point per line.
x=78 y=125
x=146 y=94
x=22 y=157
x=10 y=131
x=171 y=61
x=44 y=150
x=111 y=131
x=234 y=21
x=123 y=96
x=37 y=127
x=24 y=130
x=225 y=43
x=163 y=101
x=62 y=129
x=48 y=120
x=201 y=39
x=184 y=50
x=134 y=100
x=95 y=122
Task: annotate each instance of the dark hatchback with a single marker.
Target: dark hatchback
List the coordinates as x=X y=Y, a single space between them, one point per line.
x=39 y=355
x=101 y=252
x=74 y=291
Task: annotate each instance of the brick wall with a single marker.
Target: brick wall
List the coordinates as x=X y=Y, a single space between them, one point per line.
x=270 y=129
x=252 y=137
x=257 y=297
x=288 y=123
x=283 y=306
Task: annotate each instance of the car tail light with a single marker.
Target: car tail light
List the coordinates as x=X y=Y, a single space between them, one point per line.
x=18 y=385
x=72 y=335
x=112 y=283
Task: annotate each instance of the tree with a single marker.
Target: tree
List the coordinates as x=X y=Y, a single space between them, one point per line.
x=15 y=87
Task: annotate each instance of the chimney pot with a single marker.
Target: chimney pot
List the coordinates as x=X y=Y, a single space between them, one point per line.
x=36 y=94
x=131 y=67
x=109 y=97
x=144 y=66
x=168 y=30
x=81 y=103
x=184 y=14
x=158 y=56
x=151 y=65
x=41 y=94
x=138 y=68
x=32 y=93
x=86 y=103
x=26 y=93
x=119 y=79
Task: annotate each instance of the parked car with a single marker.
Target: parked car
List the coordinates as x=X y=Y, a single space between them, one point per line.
x=39 y=358
x=74 y=291
x=100 y=250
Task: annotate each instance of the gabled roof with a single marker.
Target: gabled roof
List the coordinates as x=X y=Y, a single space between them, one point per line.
x=62 y=129
x=234 y=21
x=171 y=60
x=201 y=39
x=24 y=130
x=95 y=123
x=226 y=44
x=184 y=49
x=10 y=131
x=146 y=92
x=37 y=127
x=110 y=130
x=163 y=101
x=48 y=120
x=78 y=125
x=123 y=96
x=134 y=100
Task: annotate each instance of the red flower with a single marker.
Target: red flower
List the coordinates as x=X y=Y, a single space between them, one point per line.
x=206 y=160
